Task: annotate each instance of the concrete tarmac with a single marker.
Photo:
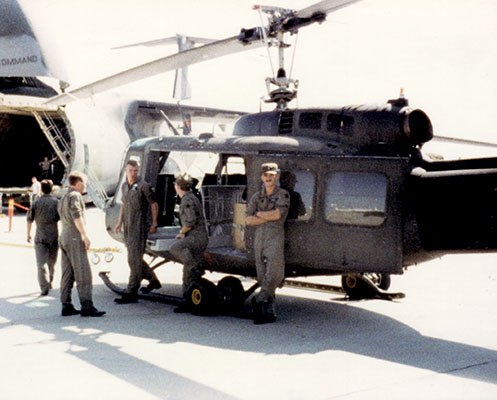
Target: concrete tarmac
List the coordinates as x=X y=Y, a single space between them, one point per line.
x=440 y=342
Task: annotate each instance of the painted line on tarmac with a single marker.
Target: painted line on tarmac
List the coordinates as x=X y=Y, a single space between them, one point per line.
x=16 y=245
x=30 y=246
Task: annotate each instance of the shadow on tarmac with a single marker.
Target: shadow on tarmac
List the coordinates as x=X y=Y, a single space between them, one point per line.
x=303 y=326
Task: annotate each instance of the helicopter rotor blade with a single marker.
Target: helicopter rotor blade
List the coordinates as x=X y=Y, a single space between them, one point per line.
x=189 y=57
x=463 y=141
x=246 y=40
x=326 y=6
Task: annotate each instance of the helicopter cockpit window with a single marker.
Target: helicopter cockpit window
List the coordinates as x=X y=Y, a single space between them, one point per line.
x=356 y=198
x=310 y=120
x=300 y=186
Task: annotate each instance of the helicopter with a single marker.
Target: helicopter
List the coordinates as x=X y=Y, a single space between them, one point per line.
x=372 y=205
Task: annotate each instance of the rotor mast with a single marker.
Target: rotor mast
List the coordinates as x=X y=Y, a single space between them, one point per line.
x=286 y=88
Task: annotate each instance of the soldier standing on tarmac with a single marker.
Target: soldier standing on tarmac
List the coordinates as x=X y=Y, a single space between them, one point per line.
x=43 y=211
x=74 y=244
x=267 y=211
x=192 y=236
x=137 y=196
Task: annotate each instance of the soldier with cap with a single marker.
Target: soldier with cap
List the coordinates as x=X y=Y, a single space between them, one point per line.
x=43 y=211
x=74 y=243
x=138 y=196
x=192 y=235
x=267 y=210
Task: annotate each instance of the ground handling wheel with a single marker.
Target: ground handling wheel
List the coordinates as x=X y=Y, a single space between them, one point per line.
x=364 y=286
x=231 y=295
x=202 y=297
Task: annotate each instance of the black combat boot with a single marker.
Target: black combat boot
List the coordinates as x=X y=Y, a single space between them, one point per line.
x=91 y=312
x=263 y=313
x=68 y=310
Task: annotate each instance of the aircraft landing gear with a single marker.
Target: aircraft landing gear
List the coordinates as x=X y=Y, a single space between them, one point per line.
x=231 y=295
x=368 y=286
x=203 y=296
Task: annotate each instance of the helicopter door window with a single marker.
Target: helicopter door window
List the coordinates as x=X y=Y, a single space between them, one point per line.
x=356 y=198
x=300 y=185
x=234 y=172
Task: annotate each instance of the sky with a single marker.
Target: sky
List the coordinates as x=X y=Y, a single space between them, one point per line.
x=442 y=53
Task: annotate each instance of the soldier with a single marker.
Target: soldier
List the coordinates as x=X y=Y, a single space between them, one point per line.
x=137 y=196
x=43 y=211
x=267 y=211
x=74 y=244
x=192 y=235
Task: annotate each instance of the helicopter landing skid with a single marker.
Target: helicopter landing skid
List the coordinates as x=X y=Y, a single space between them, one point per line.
x=152 y=296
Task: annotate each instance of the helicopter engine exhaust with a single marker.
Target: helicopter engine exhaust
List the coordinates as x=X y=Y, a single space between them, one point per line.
x=417 y=126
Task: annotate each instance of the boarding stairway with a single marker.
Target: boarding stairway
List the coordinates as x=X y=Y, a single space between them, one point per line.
x=65 y=154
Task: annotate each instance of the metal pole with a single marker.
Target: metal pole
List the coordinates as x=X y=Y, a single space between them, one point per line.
x=10 y=212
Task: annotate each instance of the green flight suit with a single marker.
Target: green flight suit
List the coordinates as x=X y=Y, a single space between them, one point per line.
x=43 y=211
x=136 y=201
x=269 y=243
x=188 y=251
x=74 y=258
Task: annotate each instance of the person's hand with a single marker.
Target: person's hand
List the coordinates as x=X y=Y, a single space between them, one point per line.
x=153 y=229
x=29 y=239
x=86 y=241
x=180 y=236
x=117 y=228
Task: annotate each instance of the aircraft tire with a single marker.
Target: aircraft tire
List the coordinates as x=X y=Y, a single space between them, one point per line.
x=383 y=281
x=231 y=294
x=202 y=297
x=356 y=288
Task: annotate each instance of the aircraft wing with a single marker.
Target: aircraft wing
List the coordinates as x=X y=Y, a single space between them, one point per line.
x=246 y=40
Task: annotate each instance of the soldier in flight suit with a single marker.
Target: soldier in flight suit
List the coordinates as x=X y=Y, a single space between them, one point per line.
x=267 y=211
x=193 y=235
x=43 y=211
x=74 y=243
x=137 y=196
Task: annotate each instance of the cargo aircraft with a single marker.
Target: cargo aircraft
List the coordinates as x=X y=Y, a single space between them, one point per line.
x=38 y=120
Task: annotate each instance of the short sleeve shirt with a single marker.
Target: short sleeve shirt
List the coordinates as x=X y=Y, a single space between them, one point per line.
x=260 y=201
